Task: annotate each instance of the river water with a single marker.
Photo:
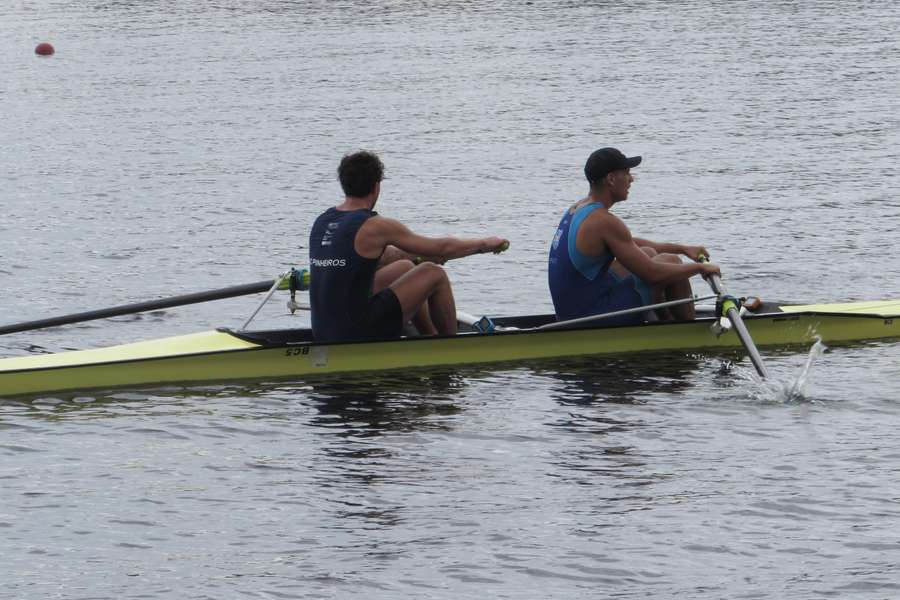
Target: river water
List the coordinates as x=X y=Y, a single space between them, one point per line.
x=171 y=147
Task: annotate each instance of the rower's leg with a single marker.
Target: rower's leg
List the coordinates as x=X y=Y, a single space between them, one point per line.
x=387 y=275
x=392 y=254
x=422 y=320
x=664 y=293
x=677 y=291
x=619 y=269
x=659 y=292
x=428 y=283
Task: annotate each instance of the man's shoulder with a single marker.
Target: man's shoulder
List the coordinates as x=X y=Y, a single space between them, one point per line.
x=603 y=218
x=375 y=229
x=374 y=221
x=605 y=225
x=326 y=213
x=381 y=223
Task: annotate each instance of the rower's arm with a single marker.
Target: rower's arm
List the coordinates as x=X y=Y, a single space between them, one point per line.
x=392 y=254
x=379 y=232
x=692 y=252
x=627 y=251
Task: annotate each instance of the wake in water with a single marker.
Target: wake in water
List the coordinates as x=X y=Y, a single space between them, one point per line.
x=780 y=390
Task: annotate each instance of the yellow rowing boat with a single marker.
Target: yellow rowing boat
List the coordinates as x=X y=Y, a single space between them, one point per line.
x=225 y=355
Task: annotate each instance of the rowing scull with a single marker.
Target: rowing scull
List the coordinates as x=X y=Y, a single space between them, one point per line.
x=225 y=355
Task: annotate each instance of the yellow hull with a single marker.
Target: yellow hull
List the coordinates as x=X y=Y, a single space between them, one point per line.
x=215 y=356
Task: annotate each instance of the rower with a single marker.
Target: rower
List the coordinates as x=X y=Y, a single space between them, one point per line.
x=365 y=283
x=596 y=265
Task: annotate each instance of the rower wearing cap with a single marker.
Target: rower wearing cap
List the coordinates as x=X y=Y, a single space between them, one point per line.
x=597 y=266
x=364 y=283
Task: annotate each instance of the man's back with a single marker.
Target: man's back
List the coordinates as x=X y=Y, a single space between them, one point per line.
x=340 y=279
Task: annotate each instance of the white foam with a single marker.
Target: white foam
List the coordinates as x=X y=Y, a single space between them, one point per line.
x=775 y=389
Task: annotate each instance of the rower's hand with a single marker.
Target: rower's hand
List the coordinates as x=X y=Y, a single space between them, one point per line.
x=695 y=252
x=438 y=260
x=495 y=244
x=708 y=268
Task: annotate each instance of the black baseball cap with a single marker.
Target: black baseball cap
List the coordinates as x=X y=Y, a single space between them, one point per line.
x=606 y=160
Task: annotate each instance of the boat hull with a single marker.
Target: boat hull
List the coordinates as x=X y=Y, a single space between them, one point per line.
x=216 y=356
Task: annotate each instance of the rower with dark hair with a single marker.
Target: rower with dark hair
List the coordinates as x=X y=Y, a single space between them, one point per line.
x=596 y=266
x=364 y=283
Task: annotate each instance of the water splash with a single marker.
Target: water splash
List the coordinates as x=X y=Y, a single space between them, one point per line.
x=781 y=390
x=794 y=391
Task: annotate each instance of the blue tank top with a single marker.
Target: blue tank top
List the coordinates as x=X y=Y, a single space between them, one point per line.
x=340 y=280
x=583 y=285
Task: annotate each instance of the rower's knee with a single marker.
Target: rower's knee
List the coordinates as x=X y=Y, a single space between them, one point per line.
x=649 y=251
x=435 y=273
x=403 y=265
x=388 y=274
x=668 y=258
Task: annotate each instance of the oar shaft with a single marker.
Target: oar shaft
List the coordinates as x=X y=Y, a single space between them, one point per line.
x=125 y=309
x=715 y=282
x=626 y=311
x=734 y=315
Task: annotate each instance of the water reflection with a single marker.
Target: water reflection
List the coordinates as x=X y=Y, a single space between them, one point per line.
x=372 y=404
x=602 y=403
x=626 y=380
x=361 y=404
x=368 y=442
x=357 y=418
x=86 y=405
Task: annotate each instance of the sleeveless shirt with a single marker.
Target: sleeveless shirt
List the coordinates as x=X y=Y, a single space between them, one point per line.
x=583 y=285
x=340 y=279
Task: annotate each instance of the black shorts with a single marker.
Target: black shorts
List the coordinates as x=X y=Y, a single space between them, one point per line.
x=383 y=318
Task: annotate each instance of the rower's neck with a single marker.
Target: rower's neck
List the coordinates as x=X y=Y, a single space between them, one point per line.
x=601 y=197
x=357 y=203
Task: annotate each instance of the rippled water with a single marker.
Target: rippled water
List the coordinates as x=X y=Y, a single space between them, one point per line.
x=174 y=147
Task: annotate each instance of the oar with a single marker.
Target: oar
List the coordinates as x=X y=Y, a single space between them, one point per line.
x=731 y=310
x=127 y=309
x=626 y=311
x=485 y=325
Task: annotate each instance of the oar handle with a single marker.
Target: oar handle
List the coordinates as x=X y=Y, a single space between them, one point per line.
x=503 y=247
x=715 y=282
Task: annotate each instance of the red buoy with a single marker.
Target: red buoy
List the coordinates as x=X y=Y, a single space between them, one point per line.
x=44 y=49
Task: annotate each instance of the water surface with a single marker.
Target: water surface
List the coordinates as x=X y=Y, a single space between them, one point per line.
x=174 y=147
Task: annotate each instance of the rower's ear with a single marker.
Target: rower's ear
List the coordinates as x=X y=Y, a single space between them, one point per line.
x=376 y=191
